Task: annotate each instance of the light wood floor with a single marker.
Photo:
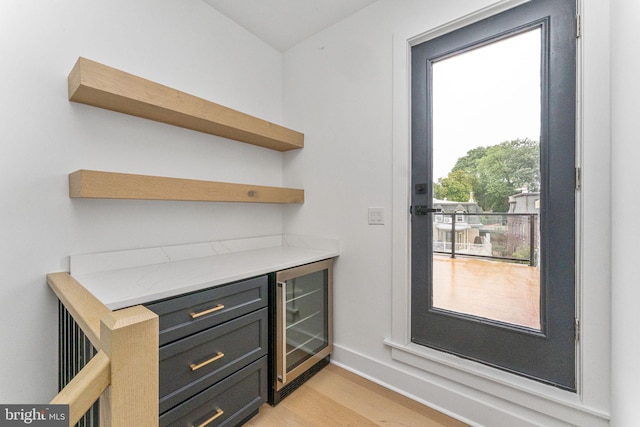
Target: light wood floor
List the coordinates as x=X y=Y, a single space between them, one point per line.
x=335 y=397
x=495 y=290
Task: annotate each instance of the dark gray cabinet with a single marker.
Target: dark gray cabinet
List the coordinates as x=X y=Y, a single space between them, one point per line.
x=190 y=313
x=213 y=354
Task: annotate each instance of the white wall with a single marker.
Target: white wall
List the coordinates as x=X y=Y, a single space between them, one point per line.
x=183 y=44
x=340 y=87
x=625 y=91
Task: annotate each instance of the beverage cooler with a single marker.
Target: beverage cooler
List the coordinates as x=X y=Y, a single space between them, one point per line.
x=301 y=323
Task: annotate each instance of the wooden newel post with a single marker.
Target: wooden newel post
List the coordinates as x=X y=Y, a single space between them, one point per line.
x=129 y=337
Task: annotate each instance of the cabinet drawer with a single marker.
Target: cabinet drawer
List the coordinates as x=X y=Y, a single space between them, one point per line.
x=192 y=364
x=232 y=400
x=191 y=313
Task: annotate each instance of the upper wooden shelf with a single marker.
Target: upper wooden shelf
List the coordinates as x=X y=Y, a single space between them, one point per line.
x=96 y=84
x=112 y=185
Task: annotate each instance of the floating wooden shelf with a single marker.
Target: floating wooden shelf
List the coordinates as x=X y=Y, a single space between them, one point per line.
x=111 y=185
x=101 y=86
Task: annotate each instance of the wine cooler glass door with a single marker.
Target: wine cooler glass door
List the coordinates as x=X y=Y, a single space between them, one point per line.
x=303 y=318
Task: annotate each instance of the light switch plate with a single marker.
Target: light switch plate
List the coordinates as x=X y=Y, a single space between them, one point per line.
x=376 y=216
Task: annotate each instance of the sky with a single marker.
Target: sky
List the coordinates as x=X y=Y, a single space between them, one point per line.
x=484 y=97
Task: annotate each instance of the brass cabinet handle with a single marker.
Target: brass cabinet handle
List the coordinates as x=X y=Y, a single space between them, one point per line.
x=218 y=413
x=218 y=356
x=211 y=310
x=281 y=342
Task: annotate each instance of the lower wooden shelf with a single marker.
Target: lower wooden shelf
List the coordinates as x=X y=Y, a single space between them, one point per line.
x=112 y=185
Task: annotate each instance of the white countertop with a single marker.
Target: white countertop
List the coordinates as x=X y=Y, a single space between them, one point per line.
x=125 y=278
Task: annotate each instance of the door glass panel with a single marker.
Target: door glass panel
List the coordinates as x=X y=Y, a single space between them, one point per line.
x=486 y=169
x=306 y=317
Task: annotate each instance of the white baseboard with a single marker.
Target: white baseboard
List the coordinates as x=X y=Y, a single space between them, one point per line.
x=467 y=404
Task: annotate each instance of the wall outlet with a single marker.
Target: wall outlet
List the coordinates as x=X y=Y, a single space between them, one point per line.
x=376 y=216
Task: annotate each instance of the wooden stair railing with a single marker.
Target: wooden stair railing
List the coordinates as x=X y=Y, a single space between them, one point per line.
x=124 y=372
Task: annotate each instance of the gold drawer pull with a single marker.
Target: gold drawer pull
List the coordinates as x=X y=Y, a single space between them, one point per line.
x=218 y=356
x=219 y=412
x=211 y=310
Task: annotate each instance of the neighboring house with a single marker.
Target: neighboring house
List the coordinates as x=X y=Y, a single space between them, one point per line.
x=489 y=234
x=525 y=202
x=464 y=219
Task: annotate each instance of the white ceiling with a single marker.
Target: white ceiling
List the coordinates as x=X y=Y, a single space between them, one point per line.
x=285 y=23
